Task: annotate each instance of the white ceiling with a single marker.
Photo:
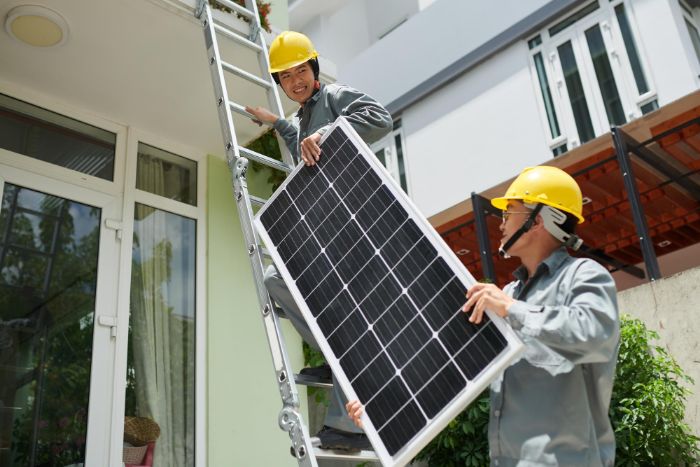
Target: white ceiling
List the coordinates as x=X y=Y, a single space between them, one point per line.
x=139 y=63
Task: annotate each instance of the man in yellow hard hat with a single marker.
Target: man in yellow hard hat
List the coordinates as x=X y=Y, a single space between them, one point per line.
x=294 y=66
x=551 y=406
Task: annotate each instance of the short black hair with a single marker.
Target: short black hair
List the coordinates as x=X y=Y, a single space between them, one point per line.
x=569 y=225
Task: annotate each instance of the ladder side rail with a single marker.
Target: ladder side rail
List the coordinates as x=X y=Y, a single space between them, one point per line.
x=273 y=97
x=290 y=419
x=217 y=76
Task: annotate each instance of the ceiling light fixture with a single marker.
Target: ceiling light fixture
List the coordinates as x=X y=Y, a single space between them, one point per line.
x=36 y=25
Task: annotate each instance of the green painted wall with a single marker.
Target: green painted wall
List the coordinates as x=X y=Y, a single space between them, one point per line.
x=242 y=396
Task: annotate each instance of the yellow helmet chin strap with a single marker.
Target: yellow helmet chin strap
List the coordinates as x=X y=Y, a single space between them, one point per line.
x=553 y=220
x=503 y=251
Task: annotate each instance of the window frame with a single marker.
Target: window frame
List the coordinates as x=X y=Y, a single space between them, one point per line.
x=123 y=190
x=690 y=15
x=632 y=101
x=132 y=196
x=388 y=145
x=22 y=161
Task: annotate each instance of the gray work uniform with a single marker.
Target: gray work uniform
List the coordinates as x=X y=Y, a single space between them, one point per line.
x=367 y=116
x=372 y=122
x=551 y=406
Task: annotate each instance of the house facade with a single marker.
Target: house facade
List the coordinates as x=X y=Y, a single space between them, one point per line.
x=125 y=286
x=478 y=93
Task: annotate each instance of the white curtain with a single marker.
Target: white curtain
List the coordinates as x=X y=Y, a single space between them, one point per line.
x=162 y=334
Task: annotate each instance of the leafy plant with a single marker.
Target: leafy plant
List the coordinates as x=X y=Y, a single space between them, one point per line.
x=464 y=441
x=267 y=145
x=263 y=11
x=647 y=407
x=313 y=357
x=648 y=403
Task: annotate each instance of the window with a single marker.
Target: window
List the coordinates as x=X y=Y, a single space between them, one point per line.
x=691 y=23
x=50 y=137
x=161 y=355
x=166 y=174
x=389 y=150
x=588 y=74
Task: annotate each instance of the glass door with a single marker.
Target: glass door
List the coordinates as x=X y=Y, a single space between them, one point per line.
x=56 y=289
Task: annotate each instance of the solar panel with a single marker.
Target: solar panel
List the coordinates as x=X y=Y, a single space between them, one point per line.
x=382 y=294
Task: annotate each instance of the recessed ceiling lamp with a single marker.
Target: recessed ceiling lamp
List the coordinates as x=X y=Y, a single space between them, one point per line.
x=36 y=25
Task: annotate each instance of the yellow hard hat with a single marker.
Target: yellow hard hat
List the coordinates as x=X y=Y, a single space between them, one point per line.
x=546 y=185
x=290 y=49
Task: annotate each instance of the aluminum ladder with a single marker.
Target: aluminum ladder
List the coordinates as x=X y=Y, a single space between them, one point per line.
x=290 y=420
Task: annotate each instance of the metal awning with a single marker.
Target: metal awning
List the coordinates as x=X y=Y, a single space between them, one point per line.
x=641 y=188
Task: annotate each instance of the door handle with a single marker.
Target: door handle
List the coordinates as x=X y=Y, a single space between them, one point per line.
x=110 y=322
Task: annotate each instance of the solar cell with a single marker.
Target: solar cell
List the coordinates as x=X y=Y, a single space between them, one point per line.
x=382 y=294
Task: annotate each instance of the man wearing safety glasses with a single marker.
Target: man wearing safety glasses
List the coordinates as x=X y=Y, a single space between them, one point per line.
x=551 y=406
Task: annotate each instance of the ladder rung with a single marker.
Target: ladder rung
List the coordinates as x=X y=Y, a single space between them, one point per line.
x=239 y=109
x=244 y=74
x=268 y=161
x=362 y=456
x=256 y=200
x=237 y=8
x=312 y=381
x=237 y=38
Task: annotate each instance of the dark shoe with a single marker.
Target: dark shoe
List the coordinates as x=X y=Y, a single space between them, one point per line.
x=338 y=440
x=322 y=372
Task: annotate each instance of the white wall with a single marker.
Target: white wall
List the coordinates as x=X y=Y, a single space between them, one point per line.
x=486 y=126
x=428 y=42
x=669 y=307
x=474 y=133
x=423 y=4
x=666 y=46
x=387 y=14
x=340 y=35
x=341 y=30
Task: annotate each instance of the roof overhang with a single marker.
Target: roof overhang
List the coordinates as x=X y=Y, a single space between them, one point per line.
x=141 y=64
x=667 y=174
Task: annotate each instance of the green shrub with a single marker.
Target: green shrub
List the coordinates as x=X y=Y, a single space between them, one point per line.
x=266 y=144
x=646 y=410
x=313 y=357
x=464 y=441
x=648 y=403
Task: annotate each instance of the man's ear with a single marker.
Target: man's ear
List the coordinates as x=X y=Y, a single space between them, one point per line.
x=539 y=223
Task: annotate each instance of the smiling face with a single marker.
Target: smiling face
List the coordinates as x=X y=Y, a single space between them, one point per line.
x=298 y=82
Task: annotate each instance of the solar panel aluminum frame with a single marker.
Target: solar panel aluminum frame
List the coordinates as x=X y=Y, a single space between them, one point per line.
x=473 y=388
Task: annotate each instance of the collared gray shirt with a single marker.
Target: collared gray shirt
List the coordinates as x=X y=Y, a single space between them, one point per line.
x=551 y=406
x=367 y=116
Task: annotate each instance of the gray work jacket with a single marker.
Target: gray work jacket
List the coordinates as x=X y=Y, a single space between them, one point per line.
x=551 y=406
x=367 y=116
